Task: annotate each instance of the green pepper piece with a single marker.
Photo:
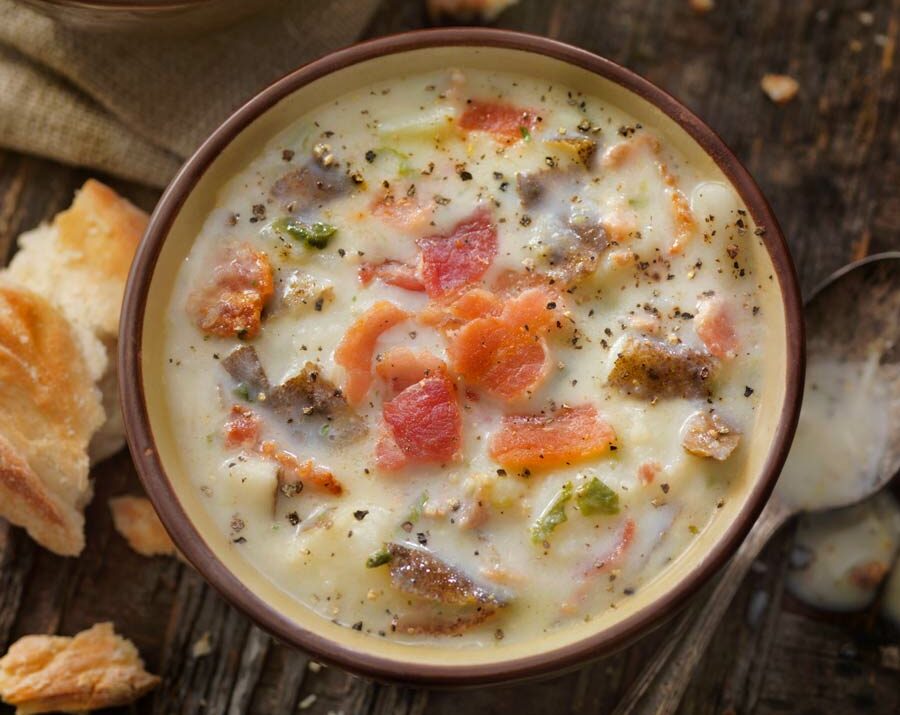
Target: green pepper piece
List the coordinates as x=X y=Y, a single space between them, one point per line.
x=594 y=497
x=379 y=558
x=243 y=392
x=553 y=515
x=314 y=235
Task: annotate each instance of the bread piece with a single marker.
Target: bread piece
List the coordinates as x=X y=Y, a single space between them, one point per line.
x=95 y=669
x=49 y=408
x=80 y=263
x=136 y=520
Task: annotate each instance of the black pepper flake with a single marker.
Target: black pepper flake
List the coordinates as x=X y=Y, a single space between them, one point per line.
x=748 y=391
x=293 y=518
x=525 y=220
x=259 y=211
x=239 y=540
x=358 y=626
x=370 y=156
x=498 y=634
x=501 y=472
x=465 y=175
x=287 y=154
x=320 y=301
x=422 y=538
x=665 y=488
x=342 y=252
x=360 y=514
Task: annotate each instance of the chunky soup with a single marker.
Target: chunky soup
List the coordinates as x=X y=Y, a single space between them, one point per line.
x=467 y=357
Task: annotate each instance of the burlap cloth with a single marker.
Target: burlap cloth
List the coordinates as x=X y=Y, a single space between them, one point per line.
x=136 y=106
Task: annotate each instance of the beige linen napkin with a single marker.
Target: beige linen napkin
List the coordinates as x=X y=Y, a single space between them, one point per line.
x=136 y=106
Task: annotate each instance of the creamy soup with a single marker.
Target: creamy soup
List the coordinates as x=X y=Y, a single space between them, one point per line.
x=840 y=558
x=467 y=357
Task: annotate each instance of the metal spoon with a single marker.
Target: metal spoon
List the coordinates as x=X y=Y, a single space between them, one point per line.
x=853 y=317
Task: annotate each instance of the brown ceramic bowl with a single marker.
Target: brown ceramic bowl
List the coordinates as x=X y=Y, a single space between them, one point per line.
x=177 y=220
x=156 y=16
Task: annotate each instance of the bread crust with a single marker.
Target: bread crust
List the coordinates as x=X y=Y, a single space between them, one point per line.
x=81 y=262
x=94 y=669
x=49 y=408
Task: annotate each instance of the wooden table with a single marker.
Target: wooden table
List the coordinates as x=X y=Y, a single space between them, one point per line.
x=829 y=163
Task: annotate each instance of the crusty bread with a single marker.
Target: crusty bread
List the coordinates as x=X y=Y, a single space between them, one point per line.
x=49 y=409
x=136 y=520
x=80 y=263
x=95 y=669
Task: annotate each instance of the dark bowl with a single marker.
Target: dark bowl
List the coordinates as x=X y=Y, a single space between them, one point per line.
x=169 y=236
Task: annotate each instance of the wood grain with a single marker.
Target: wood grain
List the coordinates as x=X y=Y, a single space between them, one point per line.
x=829 y=162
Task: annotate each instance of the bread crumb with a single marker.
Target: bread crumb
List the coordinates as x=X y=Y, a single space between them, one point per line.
x=95 y=669
x=780 y=88
x=202 y=646
x=307 y=702
x=136 y=520
x=314 y=666
x=702 y=6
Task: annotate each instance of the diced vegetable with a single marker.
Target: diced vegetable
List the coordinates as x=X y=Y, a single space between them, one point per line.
x=594 y=497
x=314 y=235
x=553 y=515
x=378 y=558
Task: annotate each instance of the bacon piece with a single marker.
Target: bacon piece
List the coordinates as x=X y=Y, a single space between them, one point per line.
x=648 y=470
x=400 y=367
x=649 y=368
x=422 y=423
x=708 y=435
x=505 y=121
x=394 y=273
x=231 y=302
x=548 y=440
x=603 y=564
x=453 y=261
x=404 y=213
x=474 y=303
x=507 y=355
x=242 y=428
x=715 y=327
x=295 y=473
x=623 y=153
x=356 y=349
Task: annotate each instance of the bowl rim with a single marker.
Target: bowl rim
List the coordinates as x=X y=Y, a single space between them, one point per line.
x=163 y=495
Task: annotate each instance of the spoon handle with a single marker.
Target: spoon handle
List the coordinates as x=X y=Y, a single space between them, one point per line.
x=660 y=686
